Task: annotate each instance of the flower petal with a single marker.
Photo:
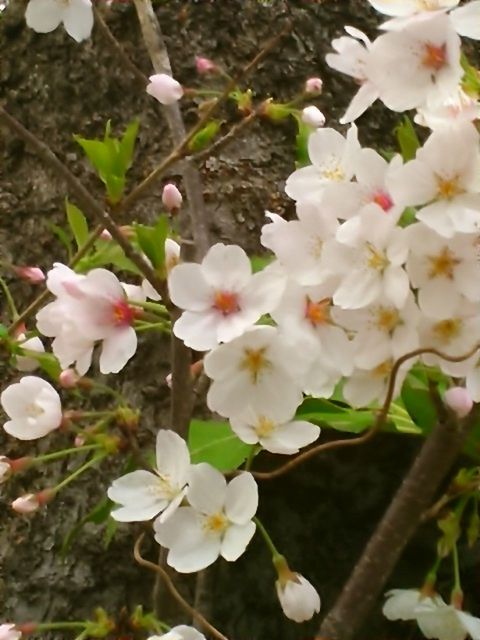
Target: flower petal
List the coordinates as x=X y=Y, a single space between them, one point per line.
x=236 y=539
x=241 y=501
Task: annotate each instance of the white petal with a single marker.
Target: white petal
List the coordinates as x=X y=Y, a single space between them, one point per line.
x=226 y=267
x=466 y=20
x=43 y=16
x=195 y=559
x=290 y=437
x=470 y=623
x=173 y=457
x=241 y=500
x=117 y=350
x=236 y=539
x=78 y=19
x=401 y=604
x=207 y=488
x=364 y=98
x=189 y=289
x=137 y=488
x=182 y=530
x=199 y=331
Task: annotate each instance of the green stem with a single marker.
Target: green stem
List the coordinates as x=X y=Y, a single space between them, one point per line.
x=65 y=452
x=456 y=570
x=153 y=325
x=151 y=306
x=10 y=301
x=79 y=472
x=267 y=538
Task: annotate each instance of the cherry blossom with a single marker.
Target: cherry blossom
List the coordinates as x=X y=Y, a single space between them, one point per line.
x=220 y=296
x=401 y=604
x=459 y=401
x=26 y=504
x=143 y=494
x=24 y=362
x=261 y=368
x=164 y=88
x=312 y=116
x=180 y=632
x=33 y=406
x=275 y=430
x=9 y=632
x=313 y=85
x=332 y=157
x=76 y=16
x=171 y=197
x=459 y=107
x=217 y=522
x=350 y=57
x=298 y=597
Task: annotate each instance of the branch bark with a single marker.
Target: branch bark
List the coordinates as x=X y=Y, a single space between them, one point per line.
x=396 y=528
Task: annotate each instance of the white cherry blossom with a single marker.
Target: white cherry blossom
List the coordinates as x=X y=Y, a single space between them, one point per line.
x=33 y=406
x=446 y=185
x=76 y=16
x=143 y=494
x=458 y=108
x=298 y=597
x=9 y=632
x=218 y=521
x=261 y=368
x=180 y=632
x=275 y=430
x=350 y=57
x=221 y=296
x=401 y=604
x=26 y=363
x=331 y=155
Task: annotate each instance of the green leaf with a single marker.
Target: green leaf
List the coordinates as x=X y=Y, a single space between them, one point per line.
x=3 y=331
x=110 y=531
x=78 y=223
x=98 y=154
x=407 y=139
x=417 y=400
x=62 y=236
x=471 y=78
x=215 y=443
x=260 y=262
x=301 y=143
x=127 y=145
x=203 y=138
x=152 y=241
x=106 y=253
x=48 y=363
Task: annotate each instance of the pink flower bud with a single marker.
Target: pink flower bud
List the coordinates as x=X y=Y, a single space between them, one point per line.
x=313 y=117
x=31 y=274
x=164 y=88
x=68 y=378
x=8 y=631
x=205 y=65
x=314 y=85
x=26 y=504
x=168 y=380
x=171 y=197
x=106 y=235
x=79 y=441
x=459 y=401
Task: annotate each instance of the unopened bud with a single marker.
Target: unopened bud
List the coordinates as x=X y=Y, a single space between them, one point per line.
x=314 y=85
x=459 y=401
x=68 y=378
x=205 y=65
x=79 y=441
x=171 y=197
x=31 y=274
x=169 y=380
x=9 y=631
x=20 y=464
x=26 y=504
x=106 y=235
x=313 y=117
x=164 y=88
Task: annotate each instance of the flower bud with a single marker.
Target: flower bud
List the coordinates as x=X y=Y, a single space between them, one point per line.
x=164 y=88
x=31 y=274
x=205 y=65
x=298 y=597
x=169 y=380
x=79 y=441
x=313 y=117
x=8 y=631
x=314 y=85
x=26 y=504
x=5 y=471
x=106 y=235
x=68 y=379
x=459 y=401
x=171 y=197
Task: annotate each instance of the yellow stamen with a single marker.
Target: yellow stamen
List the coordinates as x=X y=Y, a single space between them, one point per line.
x=448 y=188
x=446 y=330
x=216 y=523
x=255 y=362
x=376 y=259
x=317 y=312
x=264 y=427
x=387 y=319
x=443 y=264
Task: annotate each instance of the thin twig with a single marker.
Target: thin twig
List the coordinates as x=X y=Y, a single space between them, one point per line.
x=209 y=628
x=380 y=420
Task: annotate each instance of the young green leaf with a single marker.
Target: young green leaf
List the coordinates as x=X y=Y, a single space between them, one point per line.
x=407 y=139
x=78 y=223
x=215 y=443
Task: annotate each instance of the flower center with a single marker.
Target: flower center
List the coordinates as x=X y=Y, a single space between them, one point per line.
x=384 y=369
x=163 y=488
x=386 y=318
x=316 y=246
x=317 y=312
x=443 y=264
x=255 y=362
x=226 y=302
x=434 y=56
x=448 y=188
x=376 y=259
x=333 y=171
x=447 y=330
x=33 y=410
x=383 y=199
x=217 y=523
x=123 y=314
x=264 y=427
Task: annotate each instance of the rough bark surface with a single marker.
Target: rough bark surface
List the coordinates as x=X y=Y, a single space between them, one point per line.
x=321 y=515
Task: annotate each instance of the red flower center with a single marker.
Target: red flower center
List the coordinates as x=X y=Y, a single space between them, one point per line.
x=226 y=302
x=123 y=314
x=434 y=56
x=383 y=199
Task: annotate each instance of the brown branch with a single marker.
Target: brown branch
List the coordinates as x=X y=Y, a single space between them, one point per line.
x=379 y=421
x=207 y=626
x=400 y=521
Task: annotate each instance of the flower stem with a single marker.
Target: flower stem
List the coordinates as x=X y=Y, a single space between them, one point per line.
x=456 y=570
x=65 y=452
x=10 y=301
x=52 y=626
x=267 y=538
x=79 y=471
